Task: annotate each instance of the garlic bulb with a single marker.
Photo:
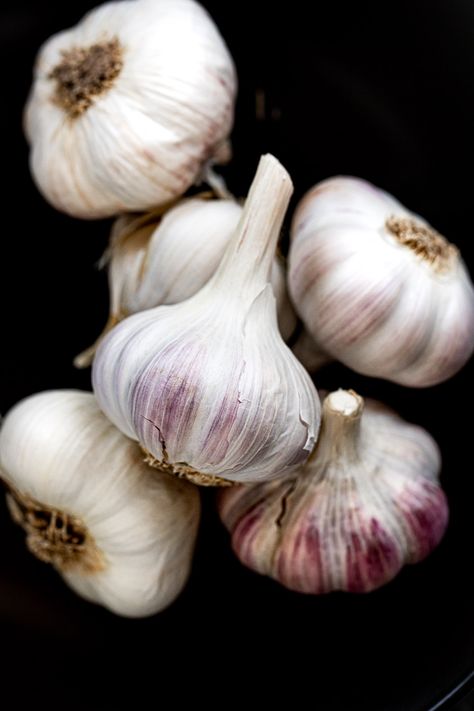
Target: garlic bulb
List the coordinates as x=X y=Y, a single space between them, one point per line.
x=377 y=287
x=118 y=534
x=166 y=258
x=207 y=386
x=129 y=106
x=367 y=502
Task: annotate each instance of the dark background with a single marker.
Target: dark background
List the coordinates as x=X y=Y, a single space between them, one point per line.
x=384 y=91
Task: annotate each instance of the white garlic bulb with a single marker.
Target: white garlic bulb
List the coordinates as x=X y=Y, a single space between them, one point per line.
x=377 y=287
x=119 y=534
x=128 y=107
x=207 y=386
x=165 y=258
x=367 y=502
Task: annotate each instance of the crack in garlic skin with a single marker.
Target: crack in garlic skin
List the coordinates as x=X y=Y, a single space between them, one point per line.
x=54 y=536
x=366 y=503
x=394 y=306
x=84 y=74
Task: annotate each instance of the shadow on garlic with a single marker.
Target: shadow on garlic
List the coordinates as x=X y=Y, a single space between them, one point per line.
x=367 y=502
x=130 y=107
x=119 y=534
x=378 y=288
x=167 y=256
x=308 y=352
x=207 y=386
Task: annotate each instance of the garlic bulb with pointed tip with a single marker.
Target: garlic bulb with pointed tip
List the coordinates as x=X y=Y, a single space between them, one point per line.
x=129 y=107
x=366 y=503
x=377 y=287
x=166 y=258
x=207 y=386
x=119 y=534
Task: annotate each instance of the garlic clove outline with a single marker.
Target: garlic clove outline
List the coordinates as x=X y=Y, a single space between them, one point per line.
x=367 y=502
x=377 y=287
x=128 y=108
x=119 y=534
x=166 y=256
x=208 y=384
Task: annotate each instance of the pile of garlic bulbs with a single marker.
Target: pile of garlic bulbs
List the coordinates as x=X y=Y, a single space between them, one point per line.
x=194 y=383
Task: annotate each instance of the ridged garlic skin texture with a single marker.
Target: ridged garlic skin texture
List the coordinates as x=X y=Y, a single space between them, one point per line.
x=143 y=139
x=403 y=311
x=171 y=258
x=59 y=449
x=209 y=384
x=366 y=503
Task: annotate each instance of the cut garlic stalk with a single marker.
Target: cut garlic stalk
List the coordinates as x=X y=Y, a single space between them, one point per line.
x=207 y=386
x=167 y=257
x=377 y=287
x=367 y=502
x=118 y=533
x=129 y=106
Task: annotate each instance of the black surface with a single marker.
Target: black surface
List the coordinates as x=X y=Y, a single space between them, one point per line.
x=384 y=91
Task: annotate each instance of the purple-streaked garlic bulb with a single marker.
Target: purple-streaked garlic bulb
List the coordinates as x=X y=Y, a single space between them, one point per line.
x=164 y=258
x=367 y=502
x=129 y=107
x=377 y=287
x=207 y=386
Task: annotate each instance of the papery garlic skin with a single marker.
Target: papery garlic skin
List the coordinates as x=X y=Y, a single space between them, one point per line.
x=377 y=287
x=58 y=451
x=208 y=385
x=165 y=259
x=366 y=503
x=178 y=254
x=127 y=107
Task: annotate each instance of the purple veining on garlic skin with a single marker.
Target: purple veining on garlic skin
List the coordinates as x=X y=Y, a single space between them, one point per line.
x=385 y=302
x=350 y=518
x=209 y=385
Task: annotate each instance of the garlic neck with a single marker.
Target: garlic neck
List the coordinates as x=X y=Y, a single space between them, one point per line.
x=84 y=73
x=340 y=433
x=55 y=536
x=424 y=241
x=247 y=262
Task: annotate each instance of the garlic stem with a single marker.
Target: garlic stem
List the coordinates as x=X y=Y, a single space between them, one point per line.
x=247 y=265
x=342 y=411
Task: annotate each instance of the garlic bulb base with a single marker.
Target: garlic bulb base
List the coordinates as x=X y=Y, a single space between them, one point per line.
x=426 y=243
x=84 y=73
x=54 y=536
x=184 y=471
